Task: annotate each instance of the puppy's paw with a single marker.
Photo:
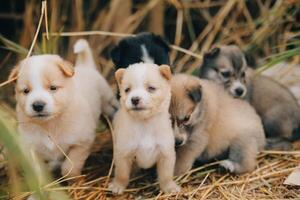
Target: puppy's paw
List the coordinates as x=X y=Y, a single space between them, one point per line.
x=278 y=144
x=67 y=169
x=181 y=168
x=116 y=187
x=171 y=187
x=228 y=166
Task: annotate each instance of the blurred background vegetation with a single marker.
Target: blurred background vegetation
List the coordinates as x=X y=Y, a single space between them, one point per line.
x=268 y=30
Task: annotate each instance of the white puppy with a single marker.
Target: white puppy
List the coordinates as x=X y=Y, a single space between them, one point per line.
x=58 y=107
x=143 y=132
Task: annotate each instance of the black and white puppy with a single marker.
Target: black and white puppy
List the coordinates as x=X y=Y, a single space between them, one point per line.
x=144 y=47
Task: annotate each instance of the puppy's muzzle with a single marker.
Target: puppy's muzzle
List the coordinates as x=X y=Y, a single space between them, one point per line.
x=38 y=106
x=135 y=101
x=239 y=92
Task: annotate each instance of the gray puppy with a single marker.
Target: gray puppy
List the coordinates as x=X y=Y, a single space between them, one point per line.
x=275 y=104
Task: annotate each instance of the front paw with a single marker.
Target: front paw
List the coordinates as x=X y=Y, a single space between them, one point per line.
x=68 y=169
x=116 y=187
x=181 y=168
x=227 y=166
x=171 y=187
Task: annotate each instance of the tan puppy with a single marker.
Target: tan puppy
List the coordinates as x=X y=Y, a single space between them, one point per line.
x=143 y=131
x=214 y=122
x=58 y=106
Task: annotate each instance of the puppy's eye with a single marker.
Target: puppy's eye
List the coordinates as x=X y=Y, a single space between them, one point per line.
x=26 y=91
x=127 y=90
x=53 y=88
x=226 y=74
x=216 y=69
x=151 y=89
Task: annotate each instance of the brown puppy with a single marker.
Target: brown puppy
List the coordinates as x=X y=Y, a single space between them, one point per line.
x=143 y=131
x=275 y=104
x=214 y=122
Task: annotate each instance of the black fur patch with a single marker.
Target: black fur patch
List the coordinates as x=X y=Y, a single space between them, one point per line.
x=236 y=60
x=296 y=134
x=209 y=62
x=128 y=51
x=250 y=60
x=195 y=94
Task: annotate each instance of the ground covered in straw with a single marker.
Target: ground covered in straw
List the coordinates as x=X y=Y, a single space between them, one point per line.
x=202 y=182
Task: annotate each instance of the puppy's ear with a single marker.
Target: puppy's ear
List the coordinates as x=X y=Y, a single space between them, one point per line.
x=119 y=75
x=250 y=60
x=161 y=42
x=66 y=67
x=212 y=53
x=14 y=73
x=165 y=71
x=195 y=93
x=115 y=54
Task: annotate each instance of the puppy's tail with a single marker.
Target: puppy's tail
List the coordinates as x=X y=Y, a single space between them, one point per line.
x=84 y=54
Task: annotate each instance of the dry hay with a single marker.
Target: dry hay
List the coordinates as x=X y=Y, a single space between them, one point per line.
x=202 y=182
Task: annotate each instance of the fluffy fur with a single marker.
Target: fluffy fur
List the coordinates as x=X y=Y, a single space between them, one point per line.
x=275 y=104
x=58 y=105
x=144 y=47
x=142 y=126
x=290 y=71
x=212 y=123
x=109 y=103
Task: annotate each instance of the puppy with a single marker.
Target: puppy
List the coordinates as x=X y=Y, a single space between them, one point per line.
x=286 y=74
x=144 y=47
x=212 y=122
x=274 y=103
x=143 y=131
x=58 y=107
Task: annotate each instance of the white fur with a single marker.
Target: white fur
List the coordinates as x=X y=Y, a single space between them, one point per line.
x=109 y=103
x=38 y=93
x=138 y=90
x=73 y=128
x=237 y=84
x=144 y=137
x=146 y=57
x=229 y=165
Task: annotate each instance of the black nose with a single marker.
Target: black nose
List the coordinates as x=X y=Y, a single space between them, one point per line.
x=178 y=142
x=239 y=91
x=135 y=101
x=38 y=106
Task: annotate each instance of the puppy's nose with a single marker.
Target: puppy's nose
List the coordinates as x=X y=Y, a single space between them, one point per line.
x=239 y=91
x=38 y=106
x=135 y=101
x=178 y=142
